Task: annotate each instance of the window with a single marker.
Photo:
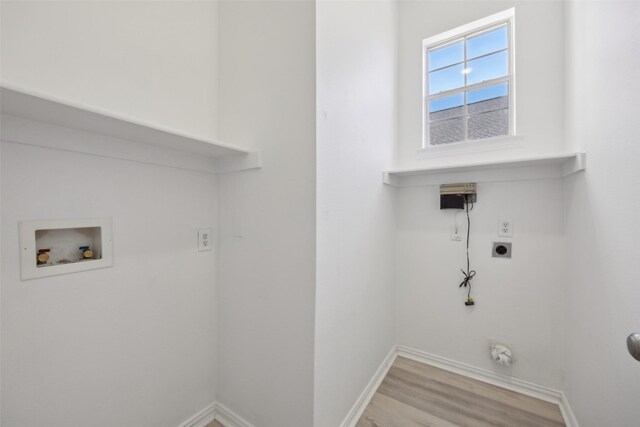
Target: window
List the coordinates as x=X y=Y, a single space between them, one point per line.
x=468 y=92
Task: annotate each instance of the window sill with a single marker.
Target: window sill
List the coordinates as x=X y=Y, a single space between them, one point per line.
x=538 y=167
x=472 y=146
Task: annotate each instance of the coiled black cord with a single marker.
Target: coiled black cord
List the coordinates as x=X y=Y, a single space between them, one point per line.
x=468 y=275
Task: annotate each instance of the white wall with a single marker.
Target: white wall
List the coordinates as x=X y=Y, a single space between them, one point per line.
x=539 y=77
x=151 y=61
x=355 y=231
x=267 y=277
x=601 y=379
x=109 y=345
x=518 y=301
x=134 y=344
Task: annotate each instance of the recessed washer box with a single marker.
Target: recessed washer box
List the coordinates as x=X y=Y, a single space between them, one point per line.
x=62 y=246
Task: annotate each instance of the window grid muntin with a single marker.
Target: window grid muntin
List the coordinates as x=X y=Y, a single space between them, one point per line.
x=466 y=88
x=467 y=60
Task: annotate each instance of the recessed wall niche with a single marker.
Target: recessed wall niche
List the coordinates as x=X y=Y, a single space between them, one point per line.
x=52 y=247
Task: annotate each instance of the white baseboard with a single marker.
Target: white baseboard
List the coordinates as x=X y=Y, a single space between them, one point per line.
x=229 y=418
x=367 y=394
x=216 y=411
x=567 y=413
x=202 y=418
x=510 y=383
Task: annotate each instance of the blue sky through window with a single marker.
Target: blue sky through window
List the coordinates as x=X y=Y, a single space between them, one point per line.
x=488 y=42
x=468 y=83
x=488 y=92
x=487 y=68
x=473 y=96
x=448 y=55
x=447 y=102
x=447 y=69
x=446 y=79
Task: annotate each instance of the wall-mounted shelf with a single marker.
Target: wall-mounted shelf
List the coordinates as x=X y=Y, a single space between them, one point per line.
x=540 y=167
x=27 y=117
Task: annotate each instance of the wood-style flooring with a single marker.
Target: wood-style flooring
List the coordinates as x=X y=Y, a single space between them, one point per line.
x=413 y=394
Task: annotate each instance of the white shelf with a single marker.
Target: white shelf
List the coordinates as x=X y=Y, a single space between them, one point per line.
x=26 y=105
x=540 y=167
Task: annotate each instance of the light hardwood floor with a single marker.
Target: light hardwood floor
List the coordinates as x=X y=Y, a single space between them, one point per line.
x=414 y=394
x=214 y=423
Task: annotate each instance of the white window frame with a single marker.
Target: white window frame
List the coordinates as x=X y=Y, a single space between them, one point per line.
x=506 y=17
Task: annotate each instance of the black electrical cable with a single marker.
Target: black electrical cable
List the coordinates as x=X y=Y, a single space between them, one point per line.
x=468 y=275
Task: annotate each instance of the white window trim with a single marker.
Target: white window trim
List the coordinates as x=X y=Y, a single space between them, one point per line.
x=505 y=17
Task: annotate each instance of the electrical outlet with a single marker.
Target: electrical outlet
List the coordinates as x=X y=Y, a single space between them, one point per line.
x=205 y=239
x=505 y=228
x=501 y=250
x=455 y=233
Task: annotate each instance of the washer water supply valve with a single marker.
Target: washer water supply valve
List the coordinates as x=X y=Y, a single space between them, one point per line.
x=86 y=252
x=43 y=256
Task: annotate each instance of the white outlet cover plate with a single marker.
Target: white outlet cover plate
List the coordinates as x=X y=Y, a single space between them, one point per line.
x=505 y=227
x=455 y=233
x=205 y=239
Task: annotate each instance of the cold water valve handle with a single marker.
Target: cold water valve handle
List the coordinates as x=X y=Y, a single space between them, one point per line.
x=86 y=252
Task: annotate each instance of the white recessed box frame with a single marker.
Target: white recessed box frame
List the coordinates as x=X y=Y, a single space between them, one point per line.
x=28 y=266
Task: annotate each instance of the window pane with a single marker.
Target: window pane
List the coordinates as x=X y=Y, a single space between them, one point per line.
x=446 y=131
x=487 y=68
x=488 y=42
x=447 y=107
x=487 y=125
x=446 y=79
x=444 y=56
x=488 y=98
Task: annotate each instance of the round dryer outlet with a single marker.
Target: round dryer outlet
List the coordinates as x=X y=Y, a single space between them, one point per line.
x=501 y=250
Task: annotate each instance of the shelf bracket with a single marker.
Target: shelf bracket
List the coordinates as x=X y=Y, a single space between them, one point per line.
x=390 y=180
x=576 y=164
x=239 y=162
